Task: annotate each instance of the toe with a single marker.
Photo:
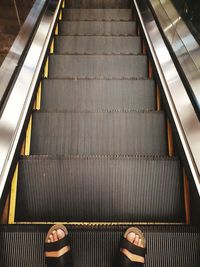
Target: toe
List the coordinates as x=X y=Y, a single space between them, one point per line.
x=140 y=242
x=60 y=234
x=55 y=237
x=51 y=238
x=131 y=237
x=136 y=240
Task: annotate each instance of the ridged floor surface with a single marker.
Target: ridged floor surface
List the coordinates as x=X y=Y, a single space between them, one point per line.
x=98 y=28
x=98 y=4
x=98 y=14
x=98 y=66
x=176 y=246
x=97 y=45
x=100 y=189
x=98 y=95
x=109 y=133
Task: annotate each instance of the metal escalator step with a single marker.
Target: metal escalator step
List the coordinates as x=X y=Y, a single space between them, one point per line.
x=97 y=45
x=98 y=133
x=102 y=67
x=98 y=4
x=98 y=95
x=99 y=189
x=97 y=28
x=98 y=14
x=174 y=246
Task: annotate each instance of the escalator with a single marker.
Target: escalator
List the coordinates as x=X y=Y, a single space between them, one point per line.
x=101 y=155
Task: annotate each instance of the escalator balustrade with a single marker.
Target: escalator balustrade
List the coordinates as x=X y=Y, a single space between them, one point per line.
x=99 y=150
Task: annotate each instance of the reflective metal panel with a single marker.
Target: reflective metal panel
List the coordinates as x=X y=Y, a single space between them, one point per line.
x=15 y=111
x=183 y=44
x=184 y=115
x=11 y=61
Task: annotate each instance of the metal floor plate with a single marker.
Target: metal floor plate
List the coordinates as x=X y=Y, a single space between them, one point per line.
x=97 y=45
x=99 y=189
x=98 y=95
x=99 y=133
x=98 y=14
x=97 y=28
x=175 y=246
x=93 y=66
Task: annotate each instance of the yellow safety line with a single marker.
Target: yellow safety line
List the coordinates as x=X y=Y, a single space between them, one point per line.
x=34 y=105
x=186 y=197
x=170 y=139
x=61 y=15
x=13 y=196
x=52 y=46
x=46 y=68
x=158 y=98
x=56 y=30
x=63 y=4
x=38 y=97
x=104 y=223
x=23 y=149
x=28 y=138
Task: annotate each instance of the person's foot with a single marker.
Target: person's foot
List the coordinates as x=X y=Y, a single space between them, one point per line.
x=57 y=247
x=56 y=235
x=137 y=241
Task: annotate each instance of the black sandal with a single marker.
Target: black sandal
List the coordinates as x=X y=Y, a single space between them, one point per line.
x=58 y=254
x=123 y=260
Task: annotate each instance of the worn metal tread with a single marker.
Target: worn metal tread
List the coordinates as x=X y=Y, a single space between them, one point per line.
x=97 y=28
x=106 y=189
x=98 y=14
x=108 y=133
x=174 y=246
x=97 y=45
x=93 y=66
x=98 y=4
x=98 y=95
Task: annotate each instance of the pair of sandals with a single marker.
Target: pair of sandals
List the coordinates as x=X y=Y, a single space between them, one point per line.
x=58 y=253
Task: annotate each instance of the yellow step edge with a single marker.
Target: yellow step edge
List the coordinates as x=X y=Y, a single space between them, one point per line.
x=13 y=197
x=103 y=223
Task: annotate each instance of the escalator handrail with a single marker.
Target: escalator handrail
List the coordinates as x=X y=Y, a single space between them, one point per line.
x=19 y=102
x=14 y=59
x=182 y=111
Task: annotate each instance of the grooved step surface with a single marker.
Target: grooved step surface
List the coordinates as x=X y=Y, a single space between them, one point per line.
x=98 y=4
x=98 y=133
x=102 y=67
x=99 y=189
x=175 y=246
x=98 y=14
x=98 y=95
x=97 y=28
x=97 y=45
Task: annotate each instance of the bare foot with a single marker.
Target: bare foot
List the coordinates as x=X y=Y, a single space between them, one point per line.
x=56 y=235
x=134 y=238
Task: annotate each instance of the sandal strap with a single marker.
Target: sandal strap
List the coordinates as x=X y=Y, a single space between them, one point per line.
x=56 y=246
x=124 y=261
x=133 y=248
x=63 y=261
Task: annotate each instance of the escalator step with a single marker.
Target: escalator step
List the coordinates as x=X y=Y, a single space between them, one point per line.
x=99 y=189
x=97 y=28
x=97 y=45
x=98 y=14
x=98 y=4
x=98 y=95
x=99 y=133
x=102 y=67
x=175 y=246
